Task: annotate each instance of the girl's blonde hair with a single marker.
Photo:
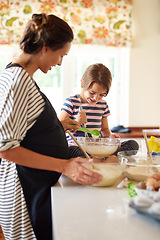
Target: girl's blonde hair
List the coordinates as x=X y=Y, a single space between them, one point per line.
x=96 y=73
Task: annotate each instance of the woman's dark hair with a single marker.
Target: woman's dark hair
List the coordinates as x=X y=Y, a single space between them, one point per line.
x=96 y=73
x=45 y=30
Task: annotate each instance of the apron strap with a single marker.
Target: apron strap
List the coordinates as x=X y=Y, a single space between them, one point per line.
x=13 y=65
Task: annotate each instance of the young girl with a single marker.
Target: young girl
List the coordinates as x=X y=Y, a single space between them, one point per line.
x=89 y=109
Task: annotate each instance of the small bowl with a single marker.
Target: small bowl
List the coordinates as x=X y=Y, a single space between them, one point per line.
x=111 y=172
x=100 y=147
x=138 y=165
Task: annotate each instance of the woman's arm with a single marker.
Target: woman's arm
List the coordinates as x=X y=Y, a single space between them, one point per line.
x=72 y=168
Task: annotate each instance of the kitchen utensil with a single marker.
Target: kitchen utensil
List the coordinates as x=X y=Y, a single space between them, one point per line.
x=86 y=130
x=84 y=124
x=87 y=156
x=147 y=145
x=93 y=132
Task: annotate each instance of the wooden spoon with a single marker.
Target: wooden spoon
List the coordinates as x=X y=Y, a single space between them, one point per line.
x=87 y=156
x=147 y=145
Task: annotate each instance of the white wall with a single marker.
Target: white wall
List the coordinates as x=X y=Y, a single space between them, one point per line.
x=144 y=84
x=144 y=74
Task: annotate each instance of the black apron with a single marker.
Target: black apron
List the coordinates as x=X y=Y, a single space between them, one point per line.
x=46 y=137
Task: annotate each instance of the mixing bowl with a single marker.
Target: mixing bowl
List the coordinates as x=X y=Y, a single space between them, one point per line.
x=100 y=147
x=138 y=165
x=111 y=172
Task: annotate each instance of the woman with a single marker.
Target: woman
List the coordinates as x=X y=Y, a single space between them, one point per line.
x=33 y=145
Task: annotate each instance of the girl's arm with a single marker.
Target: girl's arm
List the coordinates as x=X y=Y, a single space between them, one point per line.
x=105 y=129
x=63 y=115
x=66 y=120
x=80 y=119
x=72 y=168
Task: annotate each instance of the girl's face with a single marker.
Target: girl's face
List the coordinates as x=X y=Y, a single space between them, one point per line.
x=50 y=58
x=93 y=94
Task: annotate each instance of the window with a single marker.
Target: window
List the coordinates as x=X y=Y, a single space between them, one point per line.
x=64 y=81
x=117 y=60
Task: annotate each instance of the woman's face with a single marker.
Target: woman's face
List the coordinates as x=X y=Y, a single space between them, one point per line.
x=93 y=94
x=50 y=58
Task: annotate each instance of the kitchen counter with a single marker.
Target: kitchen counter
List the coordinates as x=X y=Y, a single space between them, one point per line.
x=97 y=213
x=137 y=132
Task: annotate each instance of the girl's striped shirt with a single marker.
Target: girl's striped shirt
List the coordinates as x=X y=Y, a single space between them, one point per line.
x=94 y=112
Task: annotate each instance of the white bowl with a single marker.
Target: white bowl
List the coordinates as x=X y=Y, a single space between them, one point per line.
x=111 y=172
x=139 y=167
x=100 y=147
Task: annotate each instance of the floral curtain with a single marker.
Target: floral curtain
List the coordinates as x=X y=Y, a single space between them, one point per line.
x=103 y=22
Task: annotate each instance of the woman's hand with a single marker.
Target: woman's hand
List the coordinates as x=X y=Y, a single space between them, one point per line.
x=74 y=169
x=81 y=118
x=67 y=126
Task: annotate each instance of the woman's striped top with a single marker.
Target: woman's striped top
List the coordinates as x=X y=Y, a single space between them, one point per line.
x=20 y=105
x=94 y=112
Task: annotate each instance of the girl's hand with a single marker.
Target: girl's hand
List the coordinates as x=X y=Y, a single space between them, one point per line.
x=74 y=169
x=114 y=135
x=67 y=126
x=81 y=118
x=108 y=134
